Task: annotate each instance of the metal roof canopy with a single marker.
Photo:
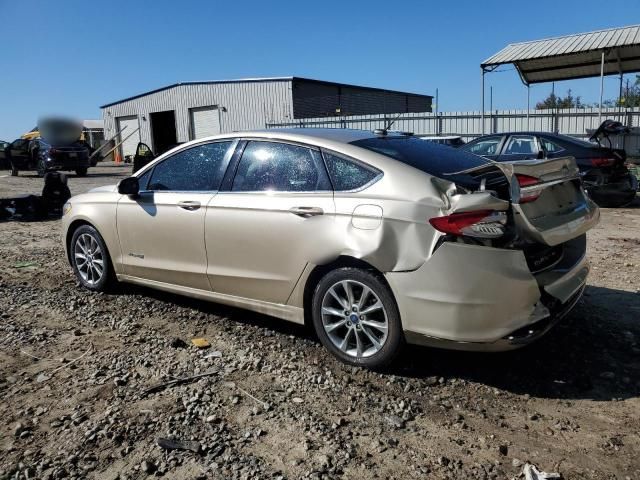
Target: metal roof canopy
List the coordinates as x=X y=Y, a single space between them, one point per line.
x=581 y=55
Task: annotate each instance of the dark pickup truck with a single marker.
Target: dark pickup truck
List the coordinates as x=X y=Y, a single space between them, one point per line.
x=39 y=155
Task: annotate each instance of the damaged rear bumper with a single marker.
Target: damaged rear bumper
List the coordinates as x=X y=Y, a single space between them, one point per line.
x=469 y=297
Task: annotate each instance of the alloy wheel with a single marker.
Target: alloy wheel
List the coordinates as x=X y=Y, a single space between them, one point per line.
x=89 y=259
x=354 y=318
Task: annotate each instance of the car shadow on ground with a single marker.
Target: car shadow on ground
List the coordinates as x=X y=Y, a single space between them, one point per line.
x=591 y=354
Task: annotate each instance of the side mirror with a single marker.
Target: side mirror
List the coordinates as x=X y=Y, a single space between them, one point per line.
x=129 y=186
x=540 y=155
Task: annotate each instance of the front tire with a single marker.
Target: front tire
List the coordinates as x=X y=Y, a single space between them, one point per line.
x=356 y=318
x=90 y=259
x=41 y=168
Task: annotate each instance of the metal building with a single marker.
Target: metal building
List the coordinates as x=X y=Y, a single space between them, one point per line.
x=186 y=111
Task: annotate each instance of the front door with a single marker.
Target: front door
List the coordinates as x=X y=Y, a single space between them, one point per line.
x=4 y=161
x=277 y=216
x=19 y=153
x=162 y=229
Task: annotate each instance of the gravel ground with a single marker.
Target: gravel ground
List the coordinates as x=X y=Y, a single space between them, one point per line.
x=74 y=367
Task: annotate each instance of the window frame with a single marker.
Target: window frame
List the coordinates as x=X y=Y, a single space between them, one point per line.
x=365 y=165
x=541 y=141
x=152 y=166
x=520 y=135
x=227 y=183
x=501 y=140
x=24 y=144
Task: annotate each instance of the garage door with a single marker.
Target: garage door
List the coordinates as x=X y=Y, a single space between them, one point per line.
x=205 y=121
x=130 y=144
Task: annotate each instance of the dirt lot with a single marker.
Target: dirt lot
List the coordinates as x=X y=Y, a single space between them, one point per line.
x=277 y=405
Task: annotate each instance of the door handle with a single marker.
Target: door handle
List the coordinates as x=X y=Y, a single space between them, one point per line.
x=306 y=212
x=189 y=204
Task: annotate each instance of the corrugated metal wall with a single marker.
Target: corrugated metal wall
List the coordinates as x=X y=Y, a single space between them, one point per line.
x=249 y=105
x=571 y=121
x=320 y=99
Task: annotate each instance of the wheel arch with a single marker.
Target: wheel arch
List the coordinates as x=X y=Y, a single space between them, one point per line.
x=73 y=226
x=320 y=271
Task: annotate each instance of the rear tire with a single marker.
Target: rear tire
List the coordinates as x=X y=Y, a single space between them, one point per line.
x=90 y=259
x=356 y=318
x=14 y=170
x=81 y=172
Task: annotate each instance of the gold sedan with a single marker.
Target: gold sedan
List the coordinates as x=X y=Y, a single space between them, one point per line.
x=374 y=238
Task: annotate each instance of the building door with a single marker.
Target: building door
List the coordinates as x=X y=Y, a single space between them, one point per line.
x=128 y=147
x=163 y=131
x=205 y=122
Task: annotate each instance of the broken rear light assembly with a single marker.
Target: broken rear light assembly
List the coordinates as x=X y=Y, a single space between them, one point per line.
x=478 y=224
x=528 y=192
x=603 y=162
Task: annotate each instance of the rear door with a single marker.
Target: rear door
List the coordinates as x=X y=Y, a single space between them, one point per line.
x=520 y=147
x=553 y=149
x=275 y=217
x=488 y=147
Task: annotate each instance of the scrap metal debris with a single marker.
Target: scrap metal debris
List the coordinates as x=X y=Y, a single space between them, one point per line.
x=175 y=444
x=178 y=381
x=25 y=264
x=530 y=472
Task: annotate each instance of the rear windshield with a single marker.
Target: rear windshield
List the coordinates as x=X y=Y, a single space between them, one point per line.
x=577 y=141
x=432 y=158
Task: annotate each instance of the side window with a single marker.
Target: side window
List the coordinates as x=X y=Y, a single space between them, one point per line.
x=143 y=180
x=270 y=166
x=521 y=144
x=198 y=168
x=487 y=146
x=20 y=144
x=549 y=146
x=347 y=174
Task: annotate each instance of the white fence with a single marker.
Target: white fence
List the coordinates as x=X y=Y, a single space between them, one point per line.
x=570 y=121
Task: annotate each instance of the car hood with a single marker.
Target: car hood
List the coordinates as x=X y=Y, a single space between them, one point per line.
x=106 y=188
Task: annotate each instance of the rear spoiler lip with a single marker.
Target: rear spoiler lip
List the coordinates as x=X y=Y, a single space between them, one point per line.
x=550 y=183
x=509 y=169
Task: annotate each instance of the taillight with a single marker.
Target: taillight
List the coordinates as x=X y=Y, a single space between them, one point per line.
x=528 y=191
x=603 y=162
x=480 y=224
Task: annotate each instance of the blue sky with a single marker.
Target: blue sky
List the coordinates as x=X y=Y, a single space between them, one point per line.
x=69 y=57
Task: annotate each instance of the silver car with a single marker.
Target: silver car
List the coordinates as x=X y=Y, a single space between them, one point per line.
x=376 y=239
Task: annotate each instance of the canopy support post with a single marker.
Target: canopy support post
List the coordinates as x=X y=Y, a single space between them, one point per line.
x=482 y=112
x=601 y=87
x=528 y=105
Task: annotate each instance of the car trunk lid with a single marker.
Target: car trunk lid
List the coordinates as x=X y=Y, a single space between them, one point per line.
x=547 y=201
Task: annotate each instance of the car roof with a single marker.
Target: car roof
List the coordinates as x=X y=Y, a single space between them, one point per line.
x=314 y=136
x=438 y=137
x=530 y=132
